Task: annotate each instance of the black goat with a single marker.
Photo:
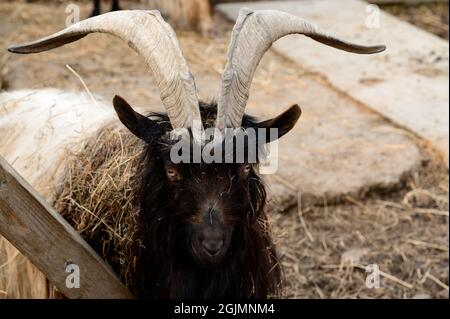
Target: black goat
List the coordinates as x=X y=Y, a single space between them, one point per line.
x=203 y=228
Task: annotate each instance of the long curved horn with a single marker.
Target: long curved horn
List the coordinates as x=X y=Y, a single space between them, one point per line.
x=253 y=34
x=151 y=37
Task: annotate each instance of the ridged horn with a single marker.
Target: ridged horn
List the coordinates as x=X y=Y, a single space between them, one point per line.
x=252 y=35
x=151 y=37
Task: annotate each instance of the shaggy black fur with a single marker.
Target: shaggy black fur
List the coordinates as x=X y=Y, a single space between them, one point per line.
x=250 y=268
x=204 y=230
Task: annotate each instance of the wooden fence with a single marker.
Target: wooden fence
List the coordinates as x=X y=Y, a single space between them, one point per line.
x=49 y=242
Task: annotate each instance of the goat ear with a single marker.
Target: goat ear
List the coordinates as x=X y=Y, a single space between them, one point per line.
x=283 y=122
x=139 y=125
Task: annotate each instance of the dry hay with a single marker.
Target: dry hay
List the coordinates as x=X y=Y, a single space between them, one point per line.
x=432 y=17
x=16 y=274
x=98 y=198
x=405 y=233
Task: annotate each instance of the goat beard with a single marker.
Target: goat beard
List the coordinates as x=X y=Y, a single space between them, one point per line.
x=249 y=270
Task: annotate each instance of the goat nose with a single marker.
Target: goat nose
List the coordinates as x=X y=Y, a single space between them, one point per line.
x=212 y=246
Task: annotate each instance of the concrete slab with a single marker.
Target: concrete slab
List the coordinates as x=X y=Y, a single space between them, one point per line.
x=336 y=149
x=407 y=84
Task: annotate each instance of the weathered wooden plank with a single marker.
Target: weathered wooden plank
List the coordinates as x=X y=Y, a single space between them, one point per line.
x=49 y=242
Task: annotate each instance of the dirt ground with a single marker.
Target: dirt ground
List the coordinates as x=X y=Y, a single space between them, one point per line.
x=323 y=249
x=432 y=17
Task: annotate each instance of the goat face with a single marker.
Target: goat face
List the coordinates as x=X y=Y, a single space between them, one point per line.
x=210 y=201
x=203 y=218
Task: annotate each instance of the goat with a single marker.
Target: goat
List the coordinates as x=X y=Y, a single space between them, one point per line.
x=202 y=223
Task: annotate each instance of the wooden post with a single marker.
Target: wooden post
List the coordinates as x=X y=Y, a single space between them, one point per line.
x=49 y=242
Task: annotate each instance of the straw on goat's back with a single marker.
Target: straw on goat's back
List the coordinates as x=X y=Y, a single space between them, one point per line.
x=98 y=198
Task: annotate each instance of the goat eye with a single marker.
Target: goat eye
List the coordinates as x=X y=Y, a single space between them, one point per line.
x=246 y=169
x=173 y=175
